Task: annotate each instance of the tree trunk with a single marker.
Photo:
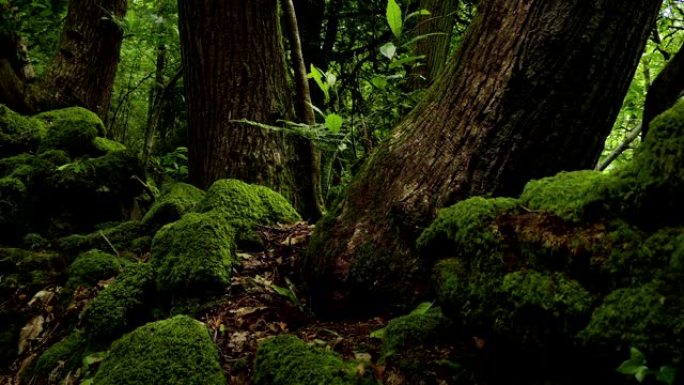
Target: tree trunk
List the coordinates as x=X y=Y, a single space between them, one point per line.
x=533 y=90
x=235 y=71
x=437 y=29
x=665 y=90
x=310 y=15
x=83 y=69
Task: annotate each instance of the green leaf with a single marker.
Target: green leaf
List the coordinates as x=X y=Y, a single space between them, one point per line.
x=334 y=123
x=317 y=76
x=666 y=374
x=630 y=367
x=637 y=355
x=394 y=18
x=422 y=308
x=379 y=82
x=641 y=373
x=422 y=12
x=388 y=50
x=380 y=333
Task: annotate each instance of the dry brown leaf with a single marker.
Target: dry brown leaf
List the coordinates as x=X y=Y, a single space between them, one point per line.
x=244 y=311
x=30 y=331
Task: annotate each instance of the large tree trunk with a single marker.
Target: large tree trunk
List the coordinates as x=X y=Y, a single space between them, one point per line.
x=436 y=30
x=235 y=71
x=534 y=89
x=665 y=90
x=84 y=66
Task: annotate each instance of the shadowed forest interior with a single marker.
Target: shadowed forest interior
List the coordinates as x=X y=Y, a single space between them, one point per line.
x=310 y=192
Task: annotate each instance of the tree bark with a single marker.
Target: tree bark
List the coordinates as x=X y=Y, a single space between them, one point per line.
x=235 y=71
x=665 y=90
x=84 y=66
x=438 y=27
x=533 y=90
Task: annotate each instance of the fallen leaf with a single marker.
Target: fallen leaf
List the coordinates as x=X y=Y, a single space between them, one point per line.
x=30 y=332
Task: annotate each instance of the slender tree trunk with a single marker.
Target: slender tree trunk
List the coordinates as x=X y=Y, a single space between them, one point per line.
x=310 y=15
x=84 y=66
x=665 y=90
x=156 y=103
x=235 y=70
x=534 y=89
x=437 y=29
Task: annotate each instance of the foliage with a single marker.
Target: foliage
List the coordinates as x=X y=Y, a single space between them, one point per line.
x=93 y=266
x=18 y=134
x=177 y=351
x=176 y=199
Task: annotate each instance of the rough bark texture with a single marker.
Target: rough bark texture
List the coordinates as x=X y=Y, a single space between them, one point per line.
x=438 y=27
x=665 y=90
x=83 y=68
x=235 y=70
x=534 y=89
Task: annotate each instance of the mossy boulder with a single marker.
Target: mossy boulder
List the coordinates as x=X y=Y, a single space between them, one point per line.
x=13 y=194
x=253 y=204
x=65 y=355
x=25 y=271
x=104 y=145
x=467 y=228
x=194 y=255
x=18 y=133
x=572 y=196
x=423 y=326
x=121 y=235
x=71 y=129
x=93 y=266
x=176 y=351
x=176 y=199
x=287 y=360
x=122 y=305
x=651 y=186
x=645 y=317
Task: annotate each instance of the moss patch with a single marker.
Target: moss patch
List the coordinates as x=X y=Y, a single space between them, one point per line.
x=93 y=266
x=175 y=200
x=71 y=129
x=418 y=328
x=18 y=134
x=104 y=145
x=175 y=351
x=253 y=203
x=287 y=360
x=122 y=305
x=66 y=354
x=571 y=196
x=121 y=236
x=466 y=229
x=194 y=255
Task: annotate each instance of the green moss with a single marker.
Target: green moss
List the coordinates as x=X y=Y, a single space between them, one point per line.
x=287 y=360
x=66 y=354
x=175 y=200
x=71 y=129
x=18 y=134
x=194 y=255
x=467 y=229
x=12 y=197
x=176 y=351
x=56 y=157
x=571 y=196
x=643 y=317
x=121 y=236
x=239 y=200
x=417 y=328
x=93 y=266
x=104 y=145
x=551 y=293
x=34 y=241
x=122 y=305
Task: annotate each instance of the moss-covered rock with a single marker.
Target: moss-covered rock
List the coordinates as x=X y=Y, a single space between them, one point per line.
x=93 y=266
x=572 y=196
x=420 y=327
x=175 y=351
x=13 y=195
x=65 y=354
x=194 y=255
x=467 y=229
x=287 y=360
x=122 y=305
x=176 y=199
x=104 y=145
x=121 y=236
x=644 y=317
x=34 y=241
x=256 y=204
x=71 y=129
x=651 y=186
x=19 y=134
x=24 y=271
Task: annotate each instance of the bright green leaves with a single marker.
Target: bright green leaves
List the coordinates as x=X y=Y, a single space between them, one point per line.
x=334 y=123
x=636 y=366
x=394 y=18
x=388 y=50
x=324 y=80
